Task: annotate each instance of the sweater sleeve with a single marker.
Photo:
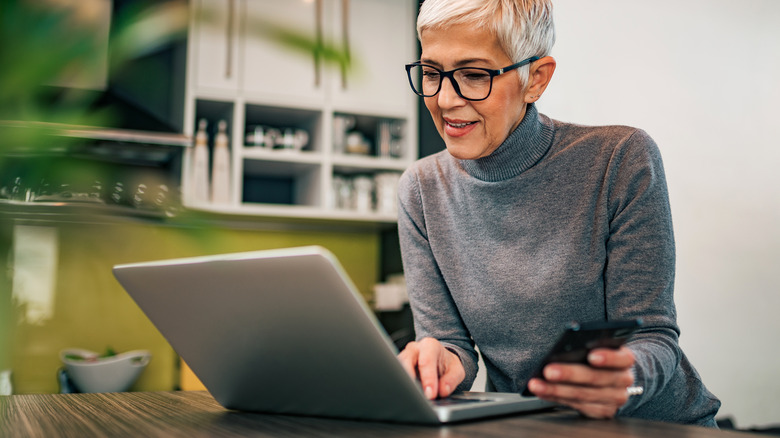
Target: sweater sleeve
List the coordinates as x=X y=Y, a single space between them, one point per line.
x=639 y=274
x=435 y=312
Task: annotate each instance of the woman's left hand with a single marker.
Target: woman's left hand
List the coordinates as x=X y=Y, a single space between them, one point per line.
x=596 y=390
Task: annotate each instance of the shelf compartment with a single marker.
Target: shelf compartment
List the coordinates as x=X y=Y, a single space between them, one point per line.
x=281 y=182
x=214 y=111
x=287 y=123
x=369 y=136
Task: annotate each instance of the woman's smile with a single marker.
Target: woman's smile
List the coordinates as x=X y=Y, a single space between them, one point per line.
x=457 y=127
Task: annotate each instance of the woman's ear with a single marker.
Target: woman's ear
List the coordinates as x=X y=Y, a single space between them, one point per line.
x=540 y=74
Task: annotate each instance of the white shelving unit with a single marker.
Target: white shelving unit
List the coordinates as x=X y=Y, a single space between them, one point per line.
x=238 y=72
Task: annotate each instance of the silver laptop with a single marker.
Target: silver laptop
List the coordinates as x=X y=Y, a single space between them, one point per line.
x=286 y=331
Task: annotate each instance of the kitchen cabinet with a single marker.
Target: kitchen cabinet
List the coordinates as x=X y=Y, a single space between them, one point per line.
x=273 y=72
x=306 y=136
x=381 y=39
x=215 y=34
x=377 y=35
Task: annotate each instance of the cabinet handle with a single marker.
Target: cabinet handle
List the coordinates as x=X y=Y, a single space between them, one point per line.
x=229 y=54
x=318 y=36
x=345 y=42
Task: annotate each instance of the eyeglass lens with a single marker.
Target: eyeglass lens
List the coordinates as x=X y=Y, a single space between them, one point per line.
x=469 y=83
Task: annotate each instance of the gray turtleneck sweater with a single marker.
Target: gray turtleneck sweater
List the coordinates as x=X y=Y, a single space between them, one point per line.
x=561 y=223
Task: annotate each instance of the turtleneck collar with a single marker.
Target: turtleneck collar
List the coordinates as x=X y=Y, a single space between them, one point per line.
x=524 y=147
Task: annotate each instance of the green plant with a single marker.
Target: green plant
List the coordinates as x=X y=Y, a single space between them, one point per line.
x=40 y=44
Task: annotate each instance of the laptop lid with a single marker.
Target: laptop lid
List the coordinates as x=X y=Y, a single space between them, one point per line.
x=286 y=331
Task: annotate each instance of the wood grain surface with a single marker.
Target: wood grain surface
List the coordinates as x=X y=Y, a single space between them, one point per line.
x=195 y=414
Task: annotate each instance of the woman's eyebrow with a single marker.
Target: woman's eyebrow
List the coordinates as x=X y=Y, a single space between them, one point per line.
x=465 y=62
x=459 y=63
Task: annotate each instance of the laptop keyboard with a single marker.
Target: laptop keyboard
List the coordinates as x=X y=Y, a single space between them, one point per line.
x=450 y=401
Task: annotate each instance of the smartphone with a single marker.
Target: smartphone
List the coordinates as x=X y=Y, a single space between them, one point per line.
x=579 y=339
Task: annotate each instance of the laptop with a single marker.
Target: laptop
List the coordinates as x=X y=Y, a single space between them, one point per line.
x=286 y=331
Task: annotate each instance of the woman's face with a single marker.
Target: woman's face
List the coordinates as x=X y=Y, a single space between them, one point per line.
x=472 y=129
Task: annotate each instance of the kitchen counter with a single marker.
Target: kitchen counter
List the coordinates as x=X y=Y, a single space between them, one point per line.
x=196 y=414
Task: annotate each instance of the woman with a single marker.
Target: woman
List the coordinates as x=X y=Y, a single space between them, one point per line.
x=526 y=223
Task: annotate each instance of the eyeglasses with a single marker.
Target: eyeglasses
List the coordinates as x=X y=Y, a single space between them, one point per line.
x=471 y=83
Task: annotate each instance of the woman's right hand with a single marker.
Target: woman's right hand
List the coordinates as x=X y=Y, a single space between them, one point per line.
x=438 y=369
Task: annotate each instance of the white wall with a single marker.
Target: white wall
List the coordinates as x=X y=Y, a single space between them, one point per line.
x=703 y=78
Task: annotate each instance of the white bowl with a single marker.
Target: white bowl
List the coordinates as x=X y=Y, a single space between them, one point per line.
x=104 y=374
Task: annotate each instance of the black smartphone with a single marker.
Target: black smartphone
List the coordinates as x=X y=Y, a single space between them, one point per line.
x=579 y=339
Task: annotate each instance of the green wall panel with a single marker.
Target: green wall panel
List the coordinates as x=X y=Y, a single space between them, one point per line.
x=90 y=310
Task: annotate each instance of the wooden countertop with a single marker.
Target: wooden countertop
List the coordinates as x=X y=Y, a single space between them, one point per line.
x=196 y=414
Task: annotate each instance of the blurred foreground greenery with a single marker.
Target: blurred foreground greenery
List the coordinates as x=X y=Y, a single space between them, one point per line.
x=45 y=43
x=42 y=42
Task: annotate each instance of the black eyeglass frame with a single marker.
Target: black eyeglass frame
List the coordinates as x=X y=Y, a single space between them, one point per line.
x=450 y=74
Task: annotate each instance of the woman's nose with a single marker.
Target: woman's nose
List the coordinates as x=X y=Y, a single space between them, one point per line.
x=448 y=97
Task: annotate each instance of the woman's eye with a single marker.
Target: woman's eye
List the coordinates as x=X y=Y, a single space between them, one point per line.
x=476 y=76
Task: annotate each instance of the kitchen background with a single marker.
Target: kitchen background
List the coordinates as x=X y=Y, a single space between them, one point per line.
x=258 y=124
x=317 y=115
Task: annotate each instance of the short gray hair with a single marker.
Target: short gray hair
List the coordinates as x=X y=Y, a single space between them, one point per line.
x=524 y=28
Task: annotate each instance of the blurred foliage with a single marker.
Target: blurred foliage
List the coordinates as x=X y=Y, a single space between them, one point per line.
x=42 y=42
x=50 y=42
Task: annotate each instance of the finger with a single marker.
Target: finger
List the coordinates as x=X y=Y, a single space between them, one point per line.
x=595 y=410
x=611 y=358
x=584 y=375
x=453 y=374
x=569 y=394
x=428 y=366
x=408 y=359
